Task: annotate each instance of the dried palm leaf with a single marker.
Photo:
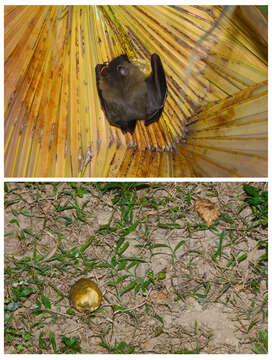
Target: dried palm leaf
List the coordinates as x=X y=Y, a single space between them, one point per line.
x=215 y=118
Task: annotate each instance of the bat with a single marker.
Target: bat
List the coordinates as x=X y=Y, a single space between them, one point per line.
x=126 y=95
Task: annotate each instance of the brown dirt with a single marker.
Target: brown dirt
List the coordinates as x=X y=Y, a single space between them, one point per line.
x=174 y=314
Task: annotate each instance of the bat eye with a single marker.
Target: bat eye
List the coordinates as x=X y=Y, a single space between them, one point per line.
x=122 y=70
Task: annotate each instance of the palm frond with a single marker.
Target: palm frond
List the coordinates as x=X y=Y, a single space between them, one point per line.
x=215 y=118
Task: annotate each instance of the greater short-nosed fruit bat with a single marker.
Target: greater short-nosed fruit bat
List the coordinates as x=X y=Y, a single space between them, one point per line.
x=126 y=95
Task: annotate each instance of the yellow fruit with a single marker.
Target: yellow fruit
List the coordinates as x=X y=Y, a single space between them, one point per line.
x=85 y=295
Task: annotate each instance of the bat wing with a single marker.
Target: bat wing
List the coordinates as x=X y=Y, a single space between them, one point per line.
x=98 y=69
x=156 y=90
x=124 y=125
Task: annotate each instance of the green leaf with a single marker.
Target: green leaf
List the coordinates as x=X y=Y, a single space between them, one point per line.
x=86 y=245
x=46 y=302
x=130 y=228
x=119 y=244
x=80 y=192
x=130 y=350
x=225 y=217
x=67 y=341
x=161 y=275
x=129 y=287
x=26 y=213
x=12 y=306
x=121 y=265
x=26 y=291
x=242 y=258
x=207 y=287
x=53 y=341
x=137 y=288
x=121 y=279
x=121 y=347
x=188 y=198
x=250 y=190
x=145 y=284
x=158 y=317
x=14 y=212
x=70 y=312
x=133 y=258
x=263 y=337
x=179 y=245
x=223 y=290
x=20 y=293
x=257 y=348
x=154 y=246
x=15 y=221
x=41 y=341
x=170 y=226
x=201 y=296
x=104 y=265
x=219 y=250
x=27 y=231
x=133 y=263
x=123 y=249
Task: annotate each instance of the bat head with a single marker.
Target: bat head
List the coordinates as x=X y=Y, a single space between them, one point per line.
x=117 y=69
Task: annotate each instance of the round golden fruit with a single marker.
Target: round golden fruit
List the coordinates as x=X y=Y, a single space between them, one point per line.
x=85 y=295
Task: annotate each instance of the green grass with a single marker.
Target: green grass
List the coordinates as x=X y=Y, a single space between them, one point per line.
x=117 y=233
x=262 y=346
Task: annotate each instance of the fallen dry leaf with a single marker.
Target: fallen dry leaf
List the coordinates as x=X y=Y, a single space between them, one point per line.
x=163 y=295
x=207 y=210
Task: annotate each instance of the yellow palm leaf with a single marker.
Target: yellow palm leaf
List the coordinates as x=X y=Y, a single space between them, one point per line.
x=215 y=118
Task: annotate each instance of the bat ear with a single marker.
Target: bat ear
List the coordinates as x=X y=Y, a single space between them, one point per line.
x=103 y=70
x=122 y=70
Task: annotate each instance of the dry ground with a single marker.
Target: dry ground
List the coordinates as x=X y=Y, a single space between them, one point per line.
x=170 y=283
